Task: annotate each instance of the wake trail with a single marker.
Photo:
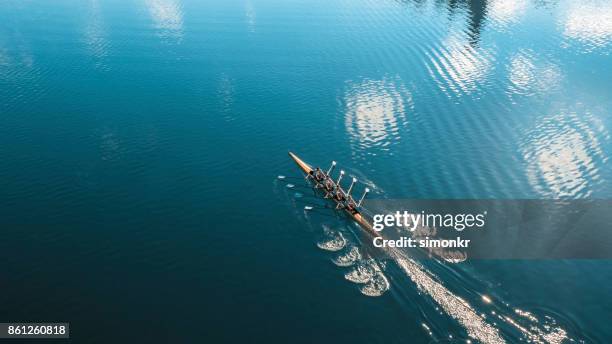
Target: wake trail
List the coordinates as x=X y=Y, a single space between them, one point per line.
x=477 y=325
x=452 y=304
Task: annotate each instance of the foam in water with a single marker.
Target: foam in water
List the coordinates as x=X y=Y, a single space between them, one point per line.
x=290 y=186
x=450 y=256
x=335 y=242
x=348 y=258
x=480 y=327
x=376 y=286
x=362 y=273
x=456 y=307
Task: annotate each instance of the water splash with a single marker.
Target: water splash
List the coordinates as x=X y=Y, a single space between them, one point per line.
x=376 y=286
x=348 y=258
x=362 y=273
x=334 y=241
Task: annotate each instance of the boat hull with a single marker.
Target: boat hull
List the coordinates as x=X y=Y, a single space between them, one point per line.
x=354 y=214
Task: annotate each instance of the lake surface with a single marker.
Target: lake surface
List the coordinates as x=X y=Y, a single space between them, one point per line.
x=141 y=145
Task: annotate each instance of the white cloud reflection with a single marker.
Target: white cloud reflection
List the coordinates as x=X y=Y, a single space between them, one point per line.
x=528 y=75
x=16 y=57
x=457 y=66
x=95 y=33
x=564 y=155
x=507 y=11
x=168 y=17
x=376 y=112
x=589 y=23
x=250 y=15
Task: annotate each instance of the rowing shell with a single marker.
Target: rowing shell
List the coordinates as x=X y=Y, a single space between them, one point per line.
x=354 y=214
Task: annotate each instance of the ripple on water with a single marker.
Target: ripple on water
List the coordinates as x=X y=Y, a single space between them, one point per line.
x=588 y=25
x=167 y=18
x=375 y=112
x=564 y=154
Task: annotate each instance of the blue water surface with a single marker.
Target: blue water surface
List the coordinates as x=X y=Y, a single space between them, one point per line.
x=141 y=144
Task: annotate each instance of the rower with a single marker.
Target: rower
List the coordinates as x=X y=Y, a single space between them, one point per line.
x=350 y=203
x=339 y=194
x=318 y=174
x=328 y=182
x=329 y=185
x=340 y=198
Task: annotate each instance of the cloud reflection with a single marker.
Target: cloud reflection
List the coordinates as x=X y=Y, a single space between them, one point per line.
x=226 y=96
x=564 y=155
x=250 y=15
x=376 y=112
x=457 y=66
x=16 y=57
x=589 y=23
x=507 y=11
x=529 y=76
x=95 y=33
x=4 y=59
x=168 y=17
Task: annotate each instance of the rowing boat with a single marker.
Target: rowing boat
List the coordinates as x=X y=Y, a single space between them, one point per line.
x=353 y=212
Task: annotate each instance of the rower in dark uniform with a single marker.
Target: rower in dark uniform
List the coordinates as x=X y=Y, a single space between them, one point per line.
x=339 y=195
x=349 y=203
x=319 y=175
x=329 y=185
